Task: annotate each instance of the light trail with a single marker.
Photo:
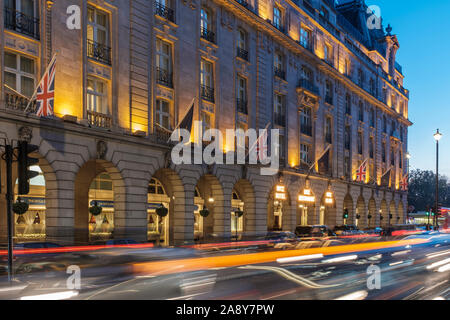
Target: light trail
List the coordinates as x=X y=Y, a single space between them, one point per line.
x=227 y=261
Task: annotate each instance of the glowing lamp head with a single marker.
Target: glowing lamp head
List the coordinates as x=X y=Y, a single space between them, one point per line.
x=437 y=135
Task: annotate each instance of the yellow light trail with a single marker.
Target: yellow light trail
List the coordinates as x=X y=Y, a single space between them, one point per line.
x=194 y=264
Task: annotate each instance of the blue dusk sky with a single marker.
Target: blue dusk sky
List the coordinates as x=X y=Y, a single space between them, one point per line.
x=423 y=30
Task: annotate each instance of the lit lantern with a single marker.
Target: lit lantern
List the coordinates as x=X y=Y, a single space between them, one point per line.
x=306 y=196
x=280 y=193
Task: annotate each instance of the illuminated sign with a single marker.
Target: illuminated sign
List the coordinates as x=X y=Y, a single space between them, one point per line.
x=280 y=196
x=306 y=198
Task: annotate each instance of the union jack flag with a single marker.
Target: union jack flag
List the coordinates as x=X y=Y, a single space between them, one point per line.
x=361 y=172
x=45 y=92
x=404 y=183
x=261 y=146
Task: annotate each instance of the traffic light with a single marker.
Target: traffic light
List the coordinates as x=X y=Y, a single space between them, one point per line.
x=24 y=163
x=346 y=214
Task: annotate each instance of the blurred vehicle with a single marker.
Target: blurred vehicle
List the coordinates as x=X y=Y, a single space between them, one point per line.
x=282 y=236
x=116 y=242
x=347 y=230
x=400 y=230
x=36 y=245
x=317 y=231
x=377 y=230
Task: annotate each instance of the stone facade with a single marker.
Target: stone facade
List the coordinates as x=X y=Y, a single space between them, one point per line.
x=124 y=140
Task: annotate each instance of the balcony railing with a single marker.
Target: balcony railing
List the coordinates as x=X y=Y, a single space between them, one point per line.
x=279 y=119
x=162 y=134
x=207 y=93
x=329 y=100
x=306 y=129
x=165 y=12
x=22 y=23
x=241 y=106
x=99 y=120
x=242 y=53
x=19 y=103
x=99 y=52
x=243 y=3
x=164 y=77
x=208 y=35
x=280 y=73
x=308 y=85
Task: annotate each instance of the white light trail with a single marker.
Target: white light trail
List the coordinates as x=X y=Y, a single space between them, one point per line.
x=52 y=296
x=341 y=259
x=300 y=258
x=358 y=295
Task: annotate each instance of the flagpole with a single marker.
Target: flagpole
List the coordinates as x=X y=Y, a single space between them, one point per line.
x=321 y=156
x=257 y=140
x=35 y=90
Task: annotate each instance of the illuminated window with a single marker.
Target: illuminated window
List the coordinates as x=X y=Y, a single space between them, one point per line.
x=304 y=153
x=277 y=18
x=97 y=95
x=102 y=182
x=163 y=117
x=19 y=73
x=155 y=187
x=305 y=37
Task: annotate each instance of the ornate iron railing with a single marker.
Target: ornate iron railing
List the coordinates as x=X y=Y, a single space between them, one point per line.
x=208 y=35
x=165 y=12
x=99 y=52
x=18 y=102
x=99 y=120
x=22 y=23
x=207 y=93
x=164 y=77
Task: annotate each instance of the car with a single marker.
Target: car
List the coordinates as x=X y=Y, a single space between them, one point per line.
x=116 y=242
x=347 y=230
x=316 y=231
x=281 y=236
x=36 y=245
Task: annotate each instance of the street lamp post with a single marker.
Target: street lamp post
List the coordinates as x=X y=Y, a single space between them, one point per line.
x=408 y=157
x=437 y=137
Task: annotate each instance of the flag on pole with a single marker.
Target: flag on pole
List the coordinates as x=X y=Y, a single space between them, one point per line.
x=404 y=183
x=45 y=92
x=261 y=145
x=361 y=173
x=186 y=122
x=323 y=161
x=386 y=178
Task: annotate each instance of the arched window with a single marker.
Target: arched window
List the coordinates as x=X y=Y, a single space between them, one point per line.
x=156 y=187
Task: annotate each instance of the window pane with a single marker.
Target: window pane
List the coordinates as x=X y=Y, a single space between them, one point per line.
x=10 y=80
x=27 y=85
x=101 y=19
x=26 y=65
x=27 y=7
x=90 y=33
x=10 y=60
x=91 y=14
x=165 y=107
x=101 y=36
